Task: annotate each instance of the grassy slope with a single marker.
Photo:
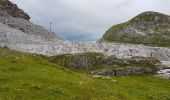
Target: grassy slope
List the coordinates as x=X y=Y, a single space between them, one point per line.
x=29 y=77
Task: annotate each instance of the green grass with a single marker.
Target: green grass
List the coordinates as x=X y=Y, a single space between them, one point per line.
x=29 y=77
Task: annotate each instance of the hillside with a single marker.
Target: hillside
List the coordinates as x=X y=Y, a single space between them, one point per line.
x=148 y=28
x=30 y=77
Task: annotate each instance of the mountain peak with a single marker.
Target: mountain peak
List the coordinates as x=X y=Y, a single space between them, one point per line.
x=151 y=13
x=7 y=7
x=148 y=28
x=151 y=16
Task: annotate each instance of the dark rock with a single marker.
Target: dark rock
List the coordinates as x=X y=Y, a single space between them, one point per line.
x=123 y=71
x=161 y=66
x=8 y=7
x=96 y=63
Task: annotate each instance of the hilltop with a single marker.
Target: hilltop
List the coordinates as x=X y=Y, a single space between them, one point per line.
x=148 y=28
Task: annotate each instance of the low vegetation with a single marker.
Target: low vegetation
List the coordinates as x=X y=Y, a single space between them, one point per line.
x=31 y=77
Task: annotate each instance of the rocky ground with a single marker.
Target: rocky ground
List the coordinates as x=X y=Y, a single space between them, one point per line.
x=99 y=64
x=166 y=71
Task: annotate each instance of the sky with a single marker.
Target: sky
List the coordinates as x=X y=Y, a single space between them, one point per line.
x=87 y=20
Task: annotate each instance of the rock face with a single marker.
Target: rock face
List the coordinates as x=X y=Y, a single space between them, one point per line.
x=97 y=63
x=165 y=72
x=123 y=71
x=12 y=9
x=148 y=28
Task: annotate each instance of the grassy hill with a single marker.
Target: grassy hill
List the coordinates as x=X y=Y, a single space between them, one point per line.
x=148 y=28
x=29 y=77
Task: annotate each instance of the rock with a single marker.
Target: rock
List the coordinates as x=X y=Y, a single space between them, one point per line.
x=114 y=81
x=90 y=62
x=160 y=66
x=106 y=77
x=96 y=76
x=101 y=76
x=165 y=73
x=124 y=71
x=8 y=7
x=166 y=63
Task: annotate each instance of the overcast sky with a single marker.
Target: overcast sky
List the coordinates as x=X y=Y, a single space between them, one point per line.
x=87 y=20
